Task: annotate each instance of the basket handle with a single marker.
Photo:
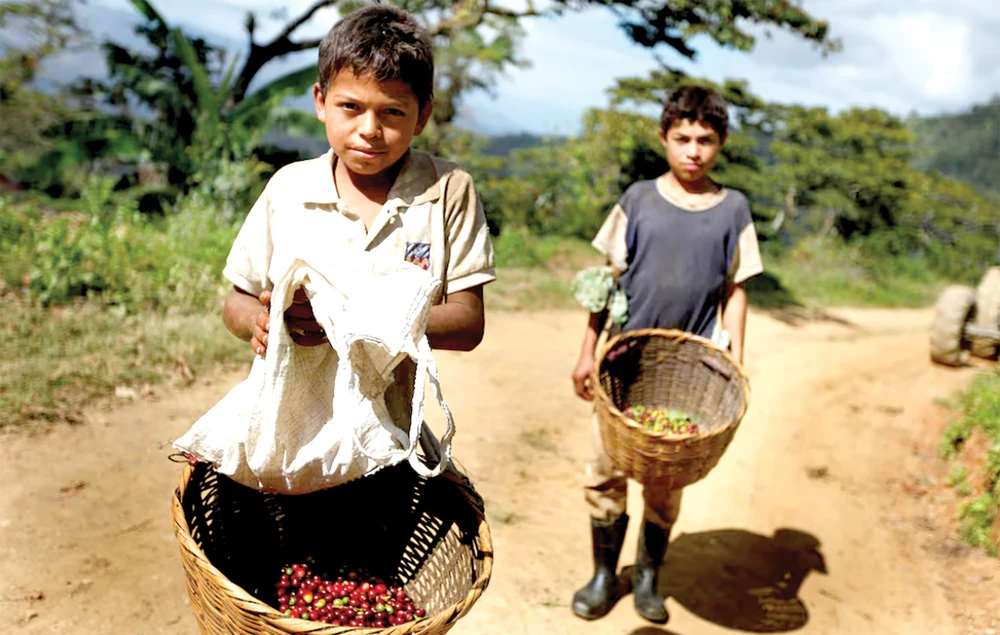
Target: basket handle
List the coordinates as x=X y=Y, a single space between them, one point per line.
x=717 y=366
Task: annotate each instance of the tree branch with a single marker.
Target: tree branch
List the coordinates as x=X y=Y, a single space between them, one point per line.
x=479 y=16
x=302 y=19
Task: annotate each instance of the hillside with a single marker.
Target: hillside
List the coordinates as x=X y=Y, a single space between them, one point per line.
x=964 y=146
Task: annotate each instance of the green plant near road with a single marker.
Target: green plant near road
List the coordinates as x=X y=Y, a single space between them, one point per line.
x=110 y=254
x=58 y=361
x=981 y=407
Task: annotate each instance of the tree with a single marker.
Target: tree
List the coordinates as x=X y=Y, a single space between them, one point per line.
x=43 y=28
x=38 y=29
x=675 y=23
x=964 y=146
x=477 y=39
x=853 y=167
x=188 y=86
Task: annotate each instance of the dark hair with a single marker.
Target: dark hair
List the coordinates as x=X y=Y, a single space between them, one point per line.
x=695 y=103
x=382 y=42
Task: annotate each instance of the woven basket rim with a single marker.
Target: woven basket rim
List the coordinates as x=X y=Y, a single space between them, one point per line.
x=678 y=336
x=183 y=533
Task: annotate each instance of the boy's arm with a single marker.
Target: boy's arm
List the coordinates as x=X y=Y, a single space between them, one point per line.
x=459 y=323
x=734 y=318
x=247 y=318
x=585 y=365
x=746 y=264
x=584 y=370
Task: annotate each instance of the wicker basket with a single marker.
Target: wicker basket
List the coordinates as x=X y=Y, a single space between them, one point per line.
x=667 y=369
x=234 y=540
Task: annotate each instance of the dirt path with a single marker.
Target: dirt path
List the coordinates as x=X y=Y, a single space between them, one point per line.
x=799 y=527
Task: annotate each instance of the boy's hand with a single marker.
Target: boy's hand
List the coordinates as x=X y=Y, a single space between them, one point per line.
x=582 y=377
x=301 y=322
x=260 y=324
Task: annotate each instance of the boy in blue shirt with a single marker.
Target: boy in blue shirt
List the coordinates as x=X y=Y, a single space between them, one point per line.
x=682 y=248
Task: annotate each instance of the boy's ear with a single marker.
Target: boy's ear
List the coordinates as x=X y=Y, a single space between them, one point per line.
x=662 y=134
x=319 y=101
x=424 y=117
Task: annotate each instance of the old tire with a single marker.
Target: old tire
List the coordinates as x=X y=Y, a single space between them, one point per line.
x=987 y=310
x=955 y=307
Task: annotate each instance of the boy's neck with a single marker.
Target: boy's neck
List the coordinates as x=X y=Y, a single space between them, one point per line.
x=704 y=185
x=375 y=187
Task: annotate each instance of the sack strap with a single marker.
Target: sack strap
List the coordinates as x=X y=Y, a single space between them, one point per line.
x=426 y=367
x=426 y=363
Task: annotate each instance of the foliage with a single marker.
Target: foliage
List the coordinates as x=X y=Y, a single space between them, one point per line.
x=34 y=31
x=981 y=406
x=566 y=189
x=849 y=176
x=676 y=23
x=60 y=360
x=198 y=97
x=109 y=252
x=37 y=30
x=196 y=130
x=852 y=166
x=963 y=146
x=822 y=273
x=536 y=271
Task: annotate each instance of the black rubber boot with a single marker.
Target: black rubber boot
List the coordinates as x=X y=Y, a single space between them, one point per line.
x=600 y=594
x=652 y=546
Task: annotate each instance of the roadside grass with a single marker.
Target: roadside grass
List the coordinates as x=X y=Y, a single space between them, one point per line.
x=59 y=360
x=972 y=446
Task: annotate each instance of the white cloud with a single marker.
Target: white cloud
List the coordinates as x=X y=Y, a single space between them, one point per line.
x=903 y=55
x=932 y=52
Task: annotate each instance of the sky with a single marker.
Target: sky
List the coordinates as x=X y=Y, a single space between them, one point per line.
x=904 y=56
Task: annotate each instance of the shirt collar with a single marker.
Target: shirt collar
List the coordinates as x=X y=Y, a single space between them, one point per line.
x=417 y=182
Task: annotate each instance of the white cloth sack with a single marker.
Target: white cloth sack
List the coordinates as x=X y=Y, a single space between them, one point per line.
x=309 y=418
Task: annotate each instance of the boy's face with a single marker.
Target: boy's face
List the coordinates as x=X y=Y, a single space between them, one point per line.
x=692 y=148
x=369 y=124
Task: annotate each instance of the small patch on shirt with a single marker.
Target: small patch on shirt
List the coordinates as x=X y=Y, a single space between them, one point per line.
x=419 y=254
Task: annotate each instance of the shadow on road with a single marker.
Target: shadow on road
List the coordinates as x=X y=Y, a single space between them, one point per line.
x=742 y=580
x=652 y=630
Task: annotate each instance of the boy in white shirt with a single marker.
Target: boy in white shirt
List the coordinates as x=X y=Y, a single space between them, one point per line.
x=371 y=192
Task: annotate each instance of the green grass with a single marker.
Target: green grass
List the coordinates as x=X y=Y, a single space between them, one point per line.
x=59 y=361
x=110 y=253
x=818 y=273
x=535 y=272
x=981 y=415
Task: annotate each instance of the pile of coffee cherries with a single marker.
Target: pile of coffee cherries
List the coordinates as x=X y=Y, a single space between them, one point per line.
x=352 y=600
x=663 y=420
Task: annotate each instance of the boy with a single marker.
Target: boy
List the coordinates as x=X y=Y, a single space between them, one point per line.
x=682 y=248
x=370 y=192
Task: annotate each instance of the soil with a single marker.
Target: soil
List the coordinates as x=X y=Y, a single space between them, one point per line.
x=826 y=515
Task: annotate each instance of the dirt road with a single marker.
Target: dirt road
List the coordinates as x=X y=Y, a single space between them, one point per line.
x=798 y=528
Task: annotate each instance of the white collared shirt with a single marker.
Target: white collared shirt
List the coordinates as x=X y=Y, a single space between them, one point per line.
x=432 y=218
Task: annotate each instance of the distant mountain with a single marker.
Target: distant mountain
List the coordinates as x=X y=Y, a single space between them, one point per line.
x=504 y=145
x=964 y=146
